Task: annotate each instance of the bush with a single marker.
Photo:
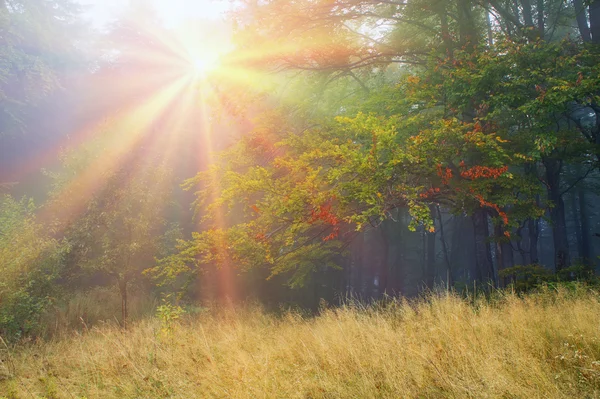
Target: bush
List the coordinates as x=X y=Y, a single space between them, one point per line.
x=30 y=264
x=523 y=278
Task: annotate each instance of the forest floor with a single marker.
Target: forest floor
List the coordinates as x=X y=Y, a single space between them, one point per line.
x=545 y=345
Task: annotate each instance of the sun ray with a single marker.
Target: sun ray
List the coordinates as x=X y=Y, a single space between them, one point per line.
x=135 y=124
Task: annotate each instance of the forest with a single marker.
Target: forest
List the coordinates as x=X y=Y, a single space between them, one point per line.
x=274 y=170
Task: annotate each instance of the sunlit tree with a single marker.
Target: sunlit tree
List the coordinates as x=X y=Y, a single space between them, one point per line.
x=31 y=263
x=115 y=223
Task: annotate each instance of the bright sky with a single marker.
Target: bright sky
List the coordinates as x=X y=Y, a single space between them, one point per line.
x=173 y=12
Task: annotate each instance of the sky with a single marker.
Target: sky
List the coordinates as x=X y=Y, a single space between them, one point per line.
x=173 y=12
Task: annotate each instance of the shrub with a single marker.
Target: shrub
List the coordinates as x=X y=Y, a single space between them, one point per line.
x=30 y=264
x=525 y=277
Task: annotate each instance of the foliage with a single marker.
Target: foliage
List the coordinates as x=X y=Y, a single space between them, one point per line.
x=582 y=272
x=291 y=191
x=524 y=278
x=168 y=314
x=31 y=261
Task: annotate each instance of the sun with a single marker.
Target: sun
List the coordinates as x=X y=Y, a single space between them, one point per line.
x=205 y=64
x=202 y=47
x=200 y=66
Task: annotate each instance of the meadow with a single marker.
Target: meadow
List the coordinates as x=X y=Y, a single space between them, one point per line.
x=543 y=345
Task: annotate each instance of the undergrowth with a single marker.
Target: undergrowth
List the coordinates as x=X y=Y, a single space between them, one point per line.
x=539 y=345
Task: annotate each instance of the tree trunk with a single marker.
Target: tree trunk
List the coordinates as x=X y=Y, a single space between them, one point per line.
x=483 y=255
x=582 y=23
x=462 y=250
x=384 y=265
x=358 y=266
x=396 y=261
x=540 y=18
x=499 y=254
x=466 y=25
x=527 y=13
x=444 y=30
x=490 y=35
x=586 y=250
x=123 y=290
x=594 y=11
x=519 y=243
x=534 y=233
x=504 y=252
x=557 y=214
x=430 y=268
x=577 y=221
x=515 y=7
x=423 y=254
x=449 y=282
x=533 y=225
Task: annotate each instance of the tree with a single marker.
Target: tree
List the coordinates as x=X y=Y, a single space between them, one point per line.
x=31 y=263
x=115 y=222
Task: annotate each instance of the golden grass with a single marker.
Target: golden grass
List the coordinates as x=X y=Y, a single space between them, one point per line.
x=542 y=346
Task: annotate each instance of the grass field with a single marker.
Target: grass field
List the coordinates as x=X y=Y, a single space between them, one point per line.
x=545 y=345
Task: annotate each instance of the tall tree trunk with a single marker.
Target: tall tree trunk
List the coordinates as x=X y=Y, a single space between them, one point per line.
x=384 y=265
x=527 y=13
x=540 y=18
x=444 y=30
x=449 y=282
x=423 y=253
x=483 y=254
x=347 y=277
x=504 y=252
x=533 y=230
x=557 y=214
x=594 y=11
x=314 y=298
x=533 y=225
x=515 y=7
x=577 y=221
x=397 y=261
x=462 y=250
x=123 y=290
x=466 y=24
x=499 y=253
x=430 y=268
x=582 y=23
x=358 y=265
x=490 y=35
x=519 y=242
x=586 y=250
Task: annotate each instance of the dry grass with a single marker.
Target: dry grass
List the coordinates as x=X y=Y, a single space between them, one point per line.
x=543 y=346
